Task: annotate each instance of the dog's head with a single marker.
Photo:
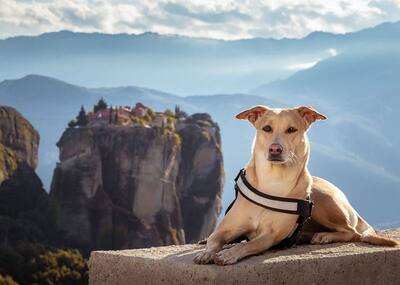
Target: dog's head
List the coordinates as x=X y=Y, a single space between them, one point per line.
x=281 y=133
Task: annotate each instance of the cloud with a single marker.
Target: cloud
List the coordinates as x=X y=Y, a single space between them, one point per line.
x=332 y=52
x=226 y=19
x=300 y=66
x=305 y=65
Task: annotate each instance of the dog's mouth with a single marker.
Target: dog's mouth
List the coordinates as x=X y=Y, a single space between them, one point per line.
x=276 y=159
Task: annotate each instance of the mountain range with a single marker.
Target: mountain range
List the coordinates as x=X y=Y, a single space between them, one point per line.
x=352 y=78
x=176 y=64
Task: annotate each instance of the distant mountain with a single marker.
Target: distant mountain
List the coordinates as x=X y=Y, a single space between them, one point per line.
x=358 y=147
x=176 y=64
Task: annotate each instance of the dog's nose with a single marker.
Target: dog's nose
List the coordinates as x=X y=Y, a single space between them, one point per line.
x=275 y=149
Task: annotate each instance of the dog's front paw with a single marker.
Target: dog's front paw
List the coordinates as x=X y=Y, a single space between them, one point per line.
x=204 y=257
x=226 y=257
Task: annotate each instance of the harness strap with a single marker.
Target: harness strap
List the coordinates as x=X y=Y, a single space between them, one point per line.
x=292 y=206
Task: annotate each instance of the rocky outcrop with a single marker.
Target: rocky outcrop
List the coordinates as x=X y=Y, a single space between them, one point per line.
x=19 y=142
x=130 y=187
x=200 y=174
x=26 y=212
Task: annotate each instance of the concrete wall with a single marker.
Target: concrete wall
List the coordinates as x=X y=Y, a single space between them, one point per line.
x=341 y=263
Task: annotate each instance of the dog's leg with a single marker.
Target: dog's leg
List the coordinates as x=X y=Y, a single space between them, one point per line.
x=242 y=250
x=215 y=242
x=330 y=237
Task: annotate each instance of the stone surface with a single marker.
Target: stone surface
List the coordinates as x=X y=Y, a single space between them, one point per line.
x=132 y=187
x=340 y=263
x=19 y=142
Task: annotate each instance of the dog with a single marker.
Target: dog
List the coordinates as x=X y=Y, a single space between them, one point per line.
x=278 y=167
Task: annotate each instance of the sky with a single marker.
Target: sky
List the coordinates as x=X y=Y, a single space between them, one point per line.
x=221 y=19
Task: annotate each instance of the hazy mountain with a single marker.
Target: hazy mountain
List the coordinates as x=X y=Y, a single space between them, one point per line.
x=358 y=147
x=176 y=64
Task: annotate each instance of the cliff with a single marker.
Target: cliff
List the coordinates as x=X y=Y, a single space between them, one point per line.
x=29 y=240
x=19 y=142
x=130 y=187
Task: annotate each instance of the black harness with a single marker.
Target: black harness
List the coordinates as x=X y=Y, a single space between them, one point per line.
x=299 y=207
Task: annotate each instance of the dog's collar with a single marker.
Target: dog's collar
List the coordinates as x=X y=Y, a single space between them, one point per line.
x=274 y=203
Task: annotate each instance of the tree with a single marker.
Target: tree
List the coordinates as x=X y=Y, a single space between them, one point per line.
x=169 y=113
x=82 y=119
x=116 y=117
x=101 y=105
x=151 y=113
x=177 y=109
x=72 y=123
x=110 y=118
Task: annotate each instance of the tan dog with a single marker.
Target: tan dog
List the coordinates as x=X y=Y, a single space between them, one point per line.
x=278 y=166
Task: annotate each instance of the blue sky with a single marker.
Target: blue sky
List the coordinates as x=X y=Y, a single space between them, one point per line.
x=220 y=19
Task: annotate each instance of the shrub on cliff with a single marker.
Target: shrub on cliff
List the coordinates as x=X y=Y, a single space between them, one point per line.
x=151 y=113
x=177 y=138
x=31 y=263
x=59 y=267
x=7 y=280
x=72 y=123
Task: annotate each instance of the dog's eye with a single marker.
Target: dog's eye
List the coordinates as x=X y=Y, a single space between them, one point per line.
x=291 y=130
x=267 y=129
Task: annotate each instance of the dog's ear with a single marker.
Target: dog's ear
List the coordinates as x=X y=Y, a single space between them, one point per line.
x=309 y=114
x=252 y=114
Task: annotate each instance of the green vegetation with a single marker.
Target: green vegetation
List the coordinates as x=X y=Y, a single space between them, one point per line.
x=151 y=113
x=169 y=113
x=81 y=120
x=31 y=250
x=101 y=105
x=138 y=120
x=171 y=120
x=170 y=131
x=179 y=113
x=7 y=280
x=33 y=263
x=177 y=138
x=147 y=118
x=9 y=160
x=59 y=267
x=72 y=123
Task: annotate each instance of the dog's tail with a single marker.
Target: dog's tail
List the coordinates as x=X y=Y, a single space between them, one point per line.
x=373 y=238
x=369 y=235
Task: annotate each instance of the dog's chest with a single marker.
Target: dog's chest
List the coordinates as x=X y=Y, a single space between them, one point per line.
x=276 y=187
x=268 y=222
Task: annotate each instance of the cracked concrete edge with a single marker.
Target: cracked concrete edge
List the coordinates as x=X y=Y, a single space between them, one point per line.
x=349 y=263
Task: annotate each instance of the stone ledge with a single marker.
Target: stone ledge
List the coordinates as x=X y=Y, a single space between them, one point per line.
x=341 y=263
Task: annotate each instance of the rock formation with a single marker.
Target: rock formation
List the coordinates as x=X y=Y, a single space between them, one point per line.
x=19 y=142
x=130 y=187
x=200 y=175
